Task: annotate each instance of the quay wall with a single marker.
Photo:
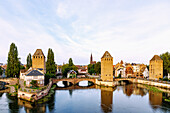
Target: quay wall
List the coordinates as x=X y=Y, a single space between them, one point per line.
x=133 y=80
x=29 y=96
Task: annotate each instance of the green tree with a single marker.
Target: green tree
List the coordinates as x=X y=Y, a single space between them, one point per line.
x=22 y=67
x=91 y=69
x=47 y=77
x=34 y=83
x=67 y=67
x=50 y=64
x=29 y=61
x=1 y=70
x=71 y=62
x=166 y=63
x=97 y=68
x=13 y=63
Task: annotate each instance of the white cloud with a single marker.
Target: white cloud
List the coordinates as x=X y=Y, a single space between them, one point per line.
x=133 y=33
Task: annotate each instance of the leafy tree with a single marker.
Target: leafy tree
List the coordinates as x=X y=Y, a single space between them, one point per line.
x=71 y=62
x=67 y=67
x=22 y=67
x=50 y=64
x=1 y=70
x=48 y=76
x=13 y=63
x=29 y=61
x=97 y=68
x=34 y=83
x=91 y=69
x=166 y=63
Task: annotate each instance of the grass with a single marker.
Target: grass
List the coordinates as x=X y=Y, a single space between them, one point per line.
x=167 y=100
x=154 y=89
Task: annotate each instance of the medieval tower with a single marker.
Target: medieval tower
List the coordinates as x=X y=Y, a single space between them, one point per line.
x=156 y=68
x=107 y=67
x=38 y=60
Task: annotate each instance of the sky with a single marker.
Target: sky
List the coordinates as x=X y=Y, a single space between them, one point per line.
x=131 y=30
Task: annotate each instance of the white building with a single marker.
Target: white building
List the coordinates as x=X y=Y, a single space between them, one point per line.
x=145 y=73
x=32 y=74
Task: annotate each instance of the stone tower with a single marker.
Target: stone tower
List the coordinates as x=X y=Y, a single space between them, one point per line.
x=38 y=60
x=156 y=68
x=107 y=67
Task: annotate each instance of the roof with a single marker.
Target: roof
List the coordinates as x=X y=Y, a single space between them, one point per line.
x=35 y=73
x=38 y=52
x=23 y=70
x=143 y=69
x=155 y=57
x=72 y=71
x=107 y=55
x=121 y=61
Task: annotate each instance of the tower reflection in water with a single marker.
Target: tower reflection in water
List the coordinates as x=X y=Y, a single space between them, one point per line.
x=106 y=99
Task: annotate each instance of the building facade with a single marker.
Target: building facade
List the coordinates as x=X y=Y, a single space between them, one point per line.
x=32 y=74
x=107 y=67
x=38 y=60
x=156 y=68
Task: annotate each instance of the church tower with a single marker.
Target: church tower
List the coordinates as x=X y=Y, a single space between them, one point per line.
x=107 y=67
x=91 y=59
x=38 y=60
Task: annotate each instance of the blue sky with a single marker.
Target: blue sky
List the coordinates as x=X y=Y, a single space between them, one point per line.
x=131 y=30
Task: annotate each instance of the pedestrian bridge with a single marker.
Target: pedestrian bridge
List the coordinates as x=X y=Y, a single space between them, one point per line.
x=74 y=81
x=125 y=79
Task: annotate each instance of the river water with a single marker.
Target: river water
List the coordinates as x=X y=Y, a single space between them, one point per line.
x=131 y=98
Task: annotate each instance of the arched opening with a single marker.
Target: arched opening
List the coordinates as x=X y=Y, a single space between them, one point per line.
x=124 y=82
x=63 y=84
x=85 y=83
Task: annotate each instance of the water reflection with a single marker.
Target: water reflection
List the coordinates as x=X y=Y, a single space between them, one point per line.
x=106 y=99
x=134 y=89
x=94 y=99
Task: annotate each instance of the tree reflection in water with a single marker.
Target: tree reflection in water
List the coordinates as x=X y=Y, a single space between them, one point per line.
x=157 y=100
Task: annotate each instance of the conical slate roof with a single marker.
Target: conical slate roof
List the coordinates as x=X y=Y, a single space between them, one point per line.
x=38 y=52
x=107 y=55
x=156 y=57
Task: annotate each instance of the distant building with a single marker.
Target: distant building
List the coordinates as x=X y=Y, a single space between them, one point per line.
x=145 y=72
x=129 y=71
x=1 y=64
x=38 y=60
x=59 y=69
x=91 y=60
x=120 y=69
x=156 y=68
x=107 y=67
x=82 y=69
x=71 y=74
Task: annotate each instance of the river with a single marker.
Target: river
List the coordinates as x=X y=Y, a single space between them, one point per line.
x=131 y=98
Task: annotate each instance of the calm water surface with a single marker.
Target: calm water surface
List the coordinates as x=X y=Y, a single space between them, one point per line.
x=132 y=98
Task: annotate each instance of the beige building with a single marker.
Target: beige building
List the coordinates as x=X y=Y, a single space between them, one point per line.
x=156 y=68
x=107 y=67
x=38 y=60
